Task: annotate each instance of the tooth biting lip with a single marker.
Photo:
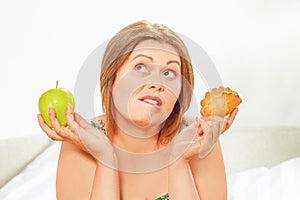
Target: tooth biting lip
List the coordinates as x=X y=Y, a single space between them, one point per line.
x=156 y=101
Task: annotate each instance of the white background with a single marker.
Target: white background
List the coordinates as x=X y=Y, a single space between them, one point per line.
x=251 y=43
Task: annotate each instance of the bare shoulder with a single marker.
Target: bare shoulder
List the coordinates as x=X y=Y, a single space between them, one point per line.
x=75 y=173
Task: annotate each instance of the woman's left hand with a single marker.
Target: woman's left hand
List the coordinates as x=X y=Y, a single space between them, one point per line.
x=211 y=128
x=201 y=136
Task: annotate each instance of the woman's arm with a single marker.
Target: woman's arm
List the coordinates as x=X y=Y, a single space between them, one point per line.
x=80 y=173
x=209 y=175
x=75 y=173
x=79 y=176
x=207 y=165
x=106 y=181
x=191 y=177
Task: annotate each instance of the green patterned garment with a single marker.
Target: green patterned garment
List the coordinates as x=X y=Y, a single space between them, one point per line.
x=164 y=197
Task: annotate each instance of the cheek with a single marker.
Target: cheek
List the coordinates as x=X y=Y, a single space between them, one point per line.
x=171 y=100
x=174 y=86
x=173 y=89
x=123 y=89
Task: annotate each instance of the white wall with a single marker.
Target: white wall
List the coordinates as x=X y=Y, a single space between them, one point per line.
x=254 y=44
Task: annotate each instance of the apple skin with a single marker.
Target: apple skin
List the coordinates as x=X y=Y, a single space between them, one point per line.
x=57 y=98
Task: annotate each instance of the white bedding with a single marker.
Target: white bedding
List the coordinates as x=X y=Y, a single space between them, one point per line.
x=37 y=180
x=281 y=182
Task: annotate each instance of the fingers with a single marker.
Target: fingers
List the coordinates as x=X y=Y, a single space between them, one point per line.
x=73 y=133
x=200 y=129
x=55 y=123
x=81 y=121
x=213 y=118
x=69 y=114
x=204 y=125
x=215 y=122
x=70 y=119
x=224 y=123
x=230 y=119
x=62 y=131
x=212 y=127
x=232 y=116
x=50 y=133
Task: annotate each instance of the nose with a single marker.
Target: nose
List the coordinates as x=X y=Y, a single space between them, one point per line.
x=156 y=87
x=155 y=82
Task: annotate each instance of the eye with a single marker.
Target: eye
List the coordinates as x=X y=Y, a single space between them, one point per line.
x=169 y=73
x=141 y=68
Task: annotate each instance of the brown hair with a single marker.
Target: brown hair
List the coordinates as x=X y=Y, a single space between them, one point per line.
x=119 y=49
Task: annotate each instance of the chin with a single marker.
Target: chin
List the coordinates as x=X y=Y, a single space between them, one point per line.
x=143 y=124
x=145 y=116
x=146 y=121
x=141 y=120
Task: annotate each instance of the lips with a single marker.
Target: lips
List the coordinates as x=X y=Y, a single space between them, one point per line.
x=152 y=100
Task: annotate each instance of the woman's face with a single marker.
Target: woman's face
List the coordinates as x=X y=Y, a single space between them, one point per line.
x=148 y=84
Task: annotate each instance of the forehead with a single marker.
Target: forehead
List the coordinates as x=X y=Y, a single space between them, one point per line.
x=155 y=46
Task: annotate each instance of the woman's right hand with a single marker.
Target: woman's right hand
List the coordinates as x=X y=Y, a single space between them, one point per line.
x=80 y=133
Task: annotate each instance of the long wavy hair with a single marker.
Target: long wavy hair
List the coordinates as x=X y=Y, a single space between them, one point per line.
x=117 y=52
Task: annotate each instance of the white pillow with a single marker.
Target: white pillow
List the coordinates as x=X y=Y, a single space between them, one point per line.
x=37 y=180
x=281 y=182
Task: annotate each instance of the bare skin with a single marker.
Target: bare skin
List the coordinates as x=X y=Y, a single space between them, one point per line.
x=199 y=173
x=76 y=171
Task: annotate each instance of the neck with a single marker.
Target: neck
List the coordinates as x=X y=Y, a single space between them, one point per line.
x=133 y=144
x=133 y=138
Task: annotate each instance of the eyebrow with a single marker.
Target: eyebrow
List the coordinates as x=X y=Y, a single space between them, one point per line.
x=173 y=61
x=150 y=58
x=142 y=55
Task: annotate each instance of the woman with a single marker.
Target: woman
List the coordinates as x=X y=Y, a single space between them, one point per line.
x=149 y=150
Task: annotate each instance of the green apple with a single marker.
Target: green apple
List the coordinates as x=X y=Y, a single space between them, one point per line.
x=57 y=98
